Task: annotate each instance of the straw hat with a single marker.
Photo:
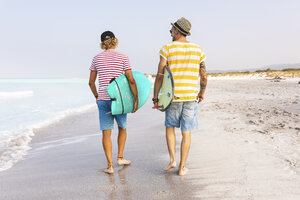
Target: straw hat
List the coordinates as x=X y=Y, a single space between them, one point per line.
x=183 y=25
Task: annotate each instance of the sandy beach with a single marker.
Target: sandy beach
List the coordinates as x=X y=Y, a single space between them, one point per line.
x=247 y=147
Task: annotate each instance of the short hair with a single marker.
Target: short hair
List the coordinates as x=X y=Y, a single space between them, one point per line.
x=109 y=43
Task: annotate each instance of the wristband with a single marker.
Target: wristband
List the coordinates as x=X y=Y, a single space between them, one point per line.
x=155 y=100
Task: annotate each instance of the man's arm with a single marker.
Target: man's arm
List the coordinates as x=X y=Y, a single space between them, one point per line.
x=93 y=76
x=159 y=79
x=203 y=81
x=133 y=88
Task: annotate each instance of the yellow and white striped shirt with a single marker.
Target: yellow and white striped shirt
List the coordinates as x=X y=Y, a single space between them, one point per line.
x=184 y=60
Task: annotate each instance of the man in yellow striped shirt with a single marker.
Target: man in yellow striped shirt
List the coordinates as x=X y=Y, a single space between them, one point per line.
x=186 y=62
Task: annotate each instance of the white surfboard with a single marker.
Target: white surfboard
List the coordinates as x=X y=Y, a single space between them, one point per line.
x=166 y=93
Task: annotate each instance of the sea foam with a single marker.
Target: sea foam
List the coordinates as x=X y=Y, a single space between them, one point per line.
x=15 y=143
x=16 y=94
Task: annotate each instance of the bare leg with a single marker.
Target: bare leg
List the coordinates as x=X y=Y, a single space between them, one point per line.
x=185 y=147
x=121 y=141
x=121 y=144
x=171 y=142
x=106 y=142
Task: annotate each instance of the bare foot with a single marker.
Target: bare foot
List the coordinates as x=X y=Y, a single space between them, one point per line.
x=171 y=166
x=122 y=161
x=183 y=171
x=109 y=170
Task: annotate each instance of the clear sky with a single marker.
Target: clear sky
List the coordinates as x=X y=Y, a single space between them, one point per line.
x=59 y=38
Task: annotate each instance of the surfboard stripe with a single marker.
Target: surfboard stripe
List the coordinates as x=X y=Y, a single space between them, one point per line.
x=121 y=98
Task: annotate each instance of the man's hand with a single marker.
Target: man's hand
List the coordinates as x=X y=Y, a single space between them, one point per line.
x=155 y=103
x=200 y=97
x=133 y=89
x=135 y=106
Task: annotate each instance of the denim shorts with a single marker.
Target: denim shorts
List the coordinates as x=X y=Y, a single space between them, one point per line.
x=107 y=119
x=182 y=114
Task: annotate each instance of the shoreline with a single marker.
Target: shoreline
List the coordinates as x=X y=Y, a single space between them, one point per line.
x=67 y=154
x=246 y=148
x=18 y=144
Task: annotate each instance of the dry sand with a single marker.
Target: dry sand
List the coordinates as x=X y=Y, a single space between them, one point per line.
x=247 y=147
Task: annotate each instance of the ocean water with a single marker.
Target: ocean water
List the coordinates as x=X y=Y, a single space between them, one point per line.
x=27 y=104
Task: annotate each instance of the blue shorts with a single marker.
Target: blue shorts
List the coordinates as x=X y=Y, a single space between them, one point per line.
x=182 y=114
x=107 y=119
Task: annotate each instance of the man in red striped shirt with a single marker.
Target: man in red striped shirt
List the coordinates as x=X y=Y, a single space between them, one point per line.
x=111 y=64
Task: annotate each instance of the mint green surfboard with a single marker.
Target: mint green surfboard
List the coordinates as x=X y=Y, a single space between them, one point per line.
x=121 y=95
x=166 y=93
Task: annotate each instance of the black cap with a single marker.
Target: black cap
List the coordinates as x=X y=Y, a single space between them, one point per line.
x=107 y=35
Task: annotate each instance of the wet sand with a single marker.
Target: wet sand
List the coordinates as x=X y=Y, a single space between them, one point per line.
x=247 y=147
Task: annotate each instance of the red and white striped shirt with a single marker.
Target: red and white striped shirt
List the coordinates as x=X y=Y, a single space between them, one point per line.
x=109 y=64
